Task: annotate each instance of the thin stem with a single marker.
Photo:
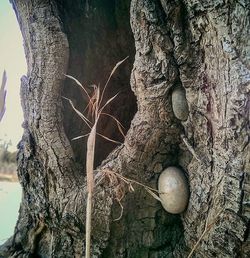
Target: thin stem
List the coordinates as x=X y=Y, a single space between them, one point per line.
x=84 y=118
x=108 y=139
x=119 y=125
x=96 y=109
x=79 y=84
x=111 y=74
x=90 y=185
x=88 y=224
x=127 y=180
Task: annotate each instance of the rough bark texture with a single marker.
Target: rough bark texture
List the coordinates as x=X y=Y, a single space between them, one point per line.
x=201 y=47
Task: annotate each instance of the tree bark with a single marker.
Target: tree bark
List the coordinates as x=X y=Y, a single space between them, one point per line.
x=200 y=47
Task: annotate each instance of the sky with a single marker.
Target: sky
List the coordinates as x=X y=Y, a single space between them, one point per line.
x=12 y=59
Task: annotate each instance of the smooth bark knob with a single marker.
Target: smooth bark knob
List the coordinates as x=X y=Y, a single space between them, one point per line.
x=173 y=190
x=179 y=103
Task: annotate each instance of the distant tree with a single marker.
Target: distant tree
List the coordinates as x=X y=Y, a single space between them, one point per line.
x=7 y=158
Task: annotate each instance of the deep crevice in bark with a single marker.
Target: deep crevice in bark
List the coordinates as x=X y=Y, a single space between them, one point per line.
x=99 y=36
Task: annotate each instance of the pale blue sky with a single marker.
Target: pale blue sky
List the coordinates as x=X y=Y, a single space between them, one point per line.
x=13 y=61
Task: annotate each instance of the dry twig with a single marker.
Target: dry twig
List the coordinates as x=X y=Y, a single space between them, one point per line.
x=96 y=109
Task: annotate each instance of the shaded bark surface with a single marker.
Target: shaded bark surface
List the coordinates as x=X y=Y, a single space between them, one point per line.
x=201 y=47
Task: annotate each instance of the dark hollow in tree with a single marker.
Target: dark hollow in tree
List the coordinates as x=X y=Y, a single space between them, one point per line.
x=201 y=46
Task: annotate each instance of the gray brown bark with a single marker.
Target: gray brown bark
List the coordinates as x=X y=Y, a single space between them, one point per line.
x=199 y=47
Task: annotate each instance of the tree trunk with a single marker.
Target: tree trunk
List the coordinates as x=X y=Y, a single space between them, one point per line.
x=200 y=47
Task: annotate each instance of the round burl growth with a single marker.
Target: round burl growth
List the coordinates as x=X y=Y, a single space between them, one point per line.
x=179 y=103
x=173 y=190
